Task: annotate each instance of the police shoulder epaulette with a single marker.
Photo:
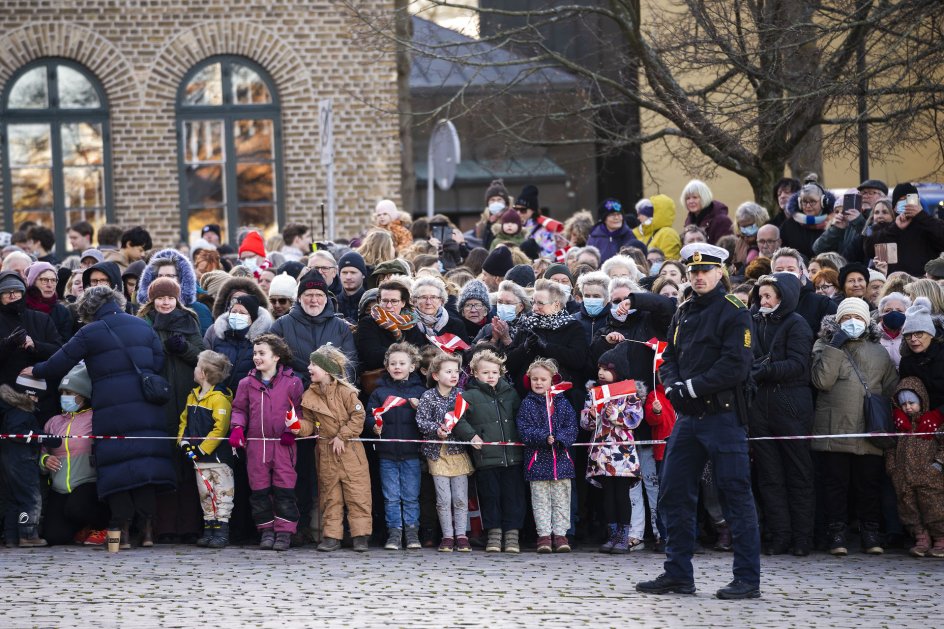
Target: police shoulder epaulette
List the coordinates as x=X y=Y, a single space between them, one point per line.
x=735 y=301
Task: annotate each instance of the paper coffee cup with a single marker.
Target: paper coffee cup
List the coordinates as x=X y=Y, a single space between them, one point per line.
x=113 y=540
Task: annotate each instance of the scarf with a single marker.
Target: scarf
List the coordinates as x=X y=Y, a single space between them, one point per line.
x=36 y=301
x=432 y=325
x=535 y=321
x=395 y=323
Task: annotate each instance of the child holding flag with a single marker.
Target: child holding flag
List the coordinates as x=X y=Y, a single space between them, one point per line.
x=436 y=416
x=612 y=411
x=391 y=413
x=493 y=406
x=331 y=408
x=548 y=426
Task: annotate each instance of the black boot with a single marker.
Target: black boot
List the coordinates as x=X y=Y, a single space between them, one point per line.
x=871 y=538
x=220 y=537
x=209 y=530
x=836 y=538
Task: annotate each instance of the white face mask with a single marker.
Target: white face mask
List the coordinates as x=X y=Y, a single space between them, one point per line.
x=250 y=263
x=69 y=403
x=853 y=327
x=616 y=315
x=495 y=207
x=766 y=311
x=238 y=321
x=506 y=312
x=647 y=222
x=566 y=288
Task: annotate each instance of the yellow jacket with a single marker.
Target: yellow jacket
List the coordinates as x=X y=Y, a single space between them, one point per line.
x=660 y=233
x=206 y=418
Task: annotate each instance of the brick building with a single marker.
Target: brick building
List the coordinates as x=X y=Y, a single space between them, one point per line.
x=172 y=114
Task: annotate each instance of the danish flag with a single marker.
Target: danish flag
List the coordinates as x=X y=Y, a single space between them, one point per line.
x=548 y=223
x=291 y=419
x=549 y=400
x=659 y=348
x=607 y=392
x=448 y=343
x=392 y=401
x=453 y=416
x=561 y=254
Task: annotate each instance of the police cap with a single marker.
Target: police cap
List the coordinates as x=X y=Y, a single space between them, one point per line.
x=700 y=256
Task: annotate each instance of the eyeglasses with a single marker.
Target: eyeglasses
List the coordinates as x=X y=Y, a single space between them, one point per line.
x=427 y=297
x=279 y=301
x=390 y=302
x=809 y=202
x=538 y=302
x=473 y=307
x=822 y=288
x=911 y=335
x=104 y=282
x=49 y=281
x=768 y=242
x=172 y=276
x=324 y=269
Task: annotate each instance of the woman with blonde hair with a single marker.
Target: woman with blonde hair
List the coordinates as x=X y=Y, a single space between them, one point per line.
x=377 y=247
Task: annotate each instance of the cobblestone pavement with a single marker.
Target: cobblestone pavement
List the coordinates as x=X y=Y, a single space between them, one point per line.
x=178 y=586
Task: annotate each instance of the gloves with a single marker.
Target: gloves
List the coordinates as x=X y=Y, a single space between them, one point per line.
x=50 y=441
x=14 y=340
x=839 y=339
x=760 y=371
x=187 y=448
x=287 y=439
x=237 y=437
x=175 y=344
x=678 y=394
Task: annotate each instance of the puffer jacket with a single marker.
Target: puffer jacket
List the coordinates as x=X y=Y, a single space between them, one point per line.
x=205 y=422
x=260 y=409
x=429 y=418
x=610 y=242
x=236 y=344
x=839 y=404
x=304 y=334
x=909 y=462
x=543 y=461
x=613 y=452
x=491 y=416
x=75 y=454
x=400 y=421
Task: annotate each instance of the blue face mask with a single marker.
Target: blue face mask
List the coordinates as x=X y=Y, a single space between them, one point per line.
x=894 y=320
x=853 y=327
x=750 y=230
x=615 y=315
x=69 y=403
x=593 y=305
x=655 y=268
x=507 y=312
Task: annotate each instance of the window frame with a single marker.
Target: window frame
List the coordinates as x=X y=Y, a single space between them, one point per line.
x=229 y=113
x=55 y=117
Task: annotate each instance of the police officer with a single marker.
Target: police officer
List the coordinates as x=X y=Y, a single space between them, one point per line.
x=707 y=361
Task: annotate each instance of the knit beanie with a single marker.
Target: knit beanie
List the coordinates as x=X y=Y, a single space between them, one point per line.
x=474 y=289
x=528 y=199
x=609 y=206
x=93 y=253
x=35 y=270
x=283 y=285
x=250 y=303
x=77 y=381
x=253 y=243
x=212 y=281
x=496 y=189
x=901 y=190
x=163 y=287
x=510 y=216
x=201 y=244
x=312 y=281
x=324 y=361
x=11 y=280
x=522 y=275
x=852 y=267
x=918 y=317
x=354 y=260
x=617 y=361
x=498 y=262
x=556 y=269
x=875 y=276
x=853 y=306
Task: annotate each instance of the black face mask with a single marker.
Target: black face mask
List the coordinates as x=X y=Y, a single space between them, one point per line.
x=893 y=320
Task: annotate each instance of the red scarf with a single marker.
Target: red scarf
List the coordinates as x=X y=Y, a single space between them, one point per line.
x=36 y=301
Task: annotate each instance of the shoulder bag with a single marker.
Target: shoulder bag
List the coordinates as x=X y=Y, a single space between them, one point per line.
x=877 y=411
x=154 y=387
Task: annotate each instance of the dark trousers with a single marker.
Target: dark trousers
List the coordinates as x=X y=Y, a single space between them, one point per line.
x=859 y=473
x=275 y=508
x=616 y=504
x=179 y=511
x=784 y=478
x=67 y=514
x=722 y=439
x=20 y=466
x=502 y=497
x=124 y=505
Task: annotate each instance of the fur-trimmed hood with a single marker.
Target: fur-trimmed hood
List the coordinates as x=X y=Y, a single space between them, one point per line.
x=261 y=325
x=14 y=398
x=830 y=326
x=912 y=383
x=242 y=284
x=186 y=276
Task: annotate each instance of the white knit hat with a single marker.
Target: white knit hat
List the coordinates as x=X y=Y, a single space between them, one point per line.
x=855 y=306
x=918 y=317
x=283 y=285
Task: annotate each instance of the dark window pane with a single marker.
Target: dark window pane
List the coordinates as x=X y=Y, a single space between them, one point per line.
x=205 y=216
x=203 y=141
x=82 y=144
x=259 y=216
x=254 y=182
x=30 y=145
x=204 y=185
x=45 y=219
x=248 y=86
x=31 y=188
x=75 y=90
x=206 y=87
x=30 y=90
x=84 y=186
x=253 y=139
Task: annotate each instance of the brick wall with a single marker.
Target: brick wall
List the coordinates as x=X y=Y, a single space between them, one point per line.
x=141 y=49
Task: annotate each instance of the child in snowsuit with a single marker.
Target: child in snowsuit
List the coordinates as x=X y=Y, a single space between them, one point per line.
x=203 y=422
x=263 y=401
x=548 y=465
x=915 y=466
x=331 y=408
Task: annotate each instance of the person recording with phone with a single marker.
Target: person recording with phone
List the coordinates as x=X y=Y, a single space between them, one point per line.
x=844 y=234
x=449 y=241
x=909 y=241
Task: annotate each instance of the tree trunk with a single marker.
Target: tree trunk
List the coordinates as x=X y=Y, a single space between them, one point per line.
x=404 y=33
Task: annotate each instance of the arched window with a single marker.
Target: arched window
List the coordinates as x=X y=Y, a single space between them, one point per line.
x=56 y=148
x=229 y=148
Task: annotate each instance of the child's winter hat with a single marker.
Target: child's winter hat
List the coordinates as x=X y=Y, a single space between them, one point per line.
x=77 y=381
x=326 y=362
x=617 y=361
x=163 y=287
x=907 y=395
x=511 y=216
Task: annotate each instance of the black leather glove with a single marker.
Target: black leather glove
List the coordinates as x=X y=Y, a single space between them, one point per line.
x=176 y=344
x=760 y=371
x=14 y=340
x=678 y=394
x=839 y=339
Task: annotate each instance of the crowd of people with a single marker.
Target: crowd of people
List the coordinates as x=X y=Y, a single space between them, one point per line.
x=420 y=386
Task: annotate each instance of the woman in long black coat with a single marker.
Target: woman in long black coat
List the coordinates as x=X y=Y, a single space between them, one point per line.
x=130 y=470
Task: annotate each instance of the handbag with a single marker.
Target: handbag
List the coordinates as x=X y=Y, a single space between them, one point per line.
x=154 y=387
x=877 y=411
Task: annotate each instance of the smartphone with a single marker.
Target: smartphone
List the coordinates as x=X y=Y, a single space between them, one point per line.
x=900 y=206
x=852 y=201
x=912 y=199
x=442 y=233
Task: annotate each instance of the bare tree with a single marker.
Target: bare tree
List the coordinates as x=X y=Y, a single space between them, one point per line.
x=745 y=84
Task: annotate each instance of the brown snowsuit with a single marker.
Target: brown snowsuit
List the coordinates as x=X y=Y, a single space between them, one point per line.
x=343 y=479
x=919 y=487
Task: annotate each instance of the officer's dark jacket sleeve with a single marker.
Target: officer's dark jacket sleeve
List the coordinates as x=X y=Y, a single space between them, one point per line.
x=669 y=370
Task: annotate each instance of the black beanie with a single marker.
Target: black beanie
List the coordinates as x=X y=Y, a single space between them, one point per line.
x=498 y=262
x=312 y=280
x=528 y=198
x=901 y=190
x=250 y=303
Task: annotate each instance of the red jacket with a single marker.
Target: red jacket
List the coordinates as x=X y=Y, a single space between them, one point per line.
x=663 y=423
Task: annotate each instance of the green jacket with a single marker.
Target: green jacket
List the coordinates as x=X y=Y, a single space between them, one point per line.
x=491 y=416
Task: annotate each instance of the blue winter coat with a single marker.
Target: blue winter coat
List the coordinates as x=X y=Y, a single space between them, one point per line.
x=398 y=422
x=120 y=407
x=610 y=242
x=542 y=461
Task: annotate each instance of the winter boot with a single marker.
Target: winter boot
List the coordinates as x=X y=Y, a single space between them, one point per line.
x=220 y=537
x=463 y=545
x=511 y=542
x=283 y=541
x=607 y=546
x=836 y=537
x=938 y=549
x=621 y=541
x=125 y=537
x=360 y=543
x=209 y=530
x=413 y=538
x=147 y=534
x=723 y=543
x=329 y=544
x=871 y=538
x=29 y=537
x=267 y=539
x=922 y=544
x=394 y=539
x=544 y=544
x=493 y=545
x=561 y=545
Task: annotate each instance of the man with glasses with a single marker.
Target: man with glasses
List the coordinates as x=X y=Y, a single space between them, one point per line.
x=324 y=263
x=768 y=240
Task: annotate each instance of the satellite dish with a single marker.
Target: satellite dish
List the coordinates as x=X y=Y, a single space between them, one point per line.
x=444 y=154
